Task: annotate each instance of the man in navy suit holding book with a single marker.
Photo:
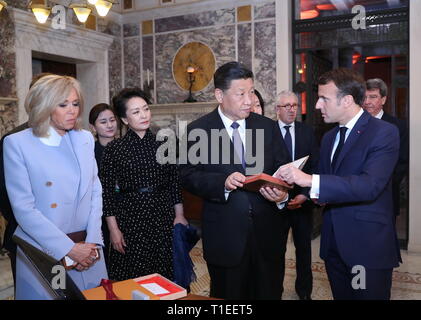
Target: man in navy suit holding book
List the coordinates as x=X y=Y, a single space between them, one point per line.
x=357 y=159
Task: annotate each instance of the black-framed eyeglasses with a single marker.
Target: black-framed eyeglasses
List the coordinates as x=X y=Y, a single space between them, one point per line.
x=288 y=106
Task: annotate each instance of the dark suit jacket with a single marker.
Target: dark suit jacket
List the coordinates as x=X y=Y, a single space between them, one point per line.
x=358 y=194
x=225 y=223
x=403 y=163
x=305 y=144
x=5 y=207
x=401 y=169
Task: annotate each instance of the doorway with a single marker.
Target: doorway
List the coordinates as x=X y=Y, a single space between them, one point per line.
x=86 y=50
x=60 y=68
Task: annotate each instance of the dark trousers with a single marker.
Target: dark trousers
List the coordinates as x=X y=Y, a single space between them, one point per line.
x=12 y=257
x=254 y=278
x=378 y=282
x=301 y=223
x=106 y=236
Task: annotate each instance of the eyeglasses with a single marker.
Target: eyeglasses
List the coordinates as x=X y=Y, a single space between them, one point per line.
x=289 y=106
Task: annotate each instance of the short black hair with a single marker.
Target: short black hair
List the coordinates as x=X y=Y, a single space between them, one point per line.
x=230 y=71
x=348 y=81
x=120 y=100
x=96 y=110
x=261 y=101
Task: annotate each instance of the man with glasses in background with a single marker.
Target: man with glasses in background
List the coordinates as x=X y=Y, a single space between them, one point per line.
x=300 y=141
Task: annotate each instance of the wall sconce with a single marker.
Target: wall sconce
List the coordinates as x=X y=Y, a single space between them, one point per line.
x=40 y=11
x=103 y=6
x=2 y=5
x=82 y=11
x=190 y=70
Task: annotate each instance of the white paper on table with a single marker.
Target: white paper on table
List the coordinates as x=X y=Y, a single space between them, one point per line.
x=154 y=288
x=299 y=164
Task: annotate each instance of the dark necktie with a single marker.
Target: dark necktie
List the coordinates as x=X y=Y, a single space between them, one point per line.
x=238 y=144
x=288 y=140
x=340 y=145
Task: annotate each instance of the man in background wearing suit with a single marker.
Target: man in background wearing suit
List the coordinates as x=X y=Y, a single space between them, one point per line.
x=5 y=207
x=300 y=141
x=375 y=98
x=241 y=230
x=357 y=158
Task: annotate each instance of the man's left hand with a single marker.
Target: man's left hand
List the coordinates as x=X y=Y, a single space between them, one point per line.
x=273 y=194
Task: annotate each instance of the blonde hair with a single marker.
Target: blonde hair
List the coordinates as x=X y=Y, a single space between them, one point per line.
x=44 y=96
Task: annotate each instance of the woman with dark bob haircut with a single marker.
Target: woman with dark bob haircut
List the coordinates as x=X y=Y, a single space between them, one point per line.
x=141 y=218
x=103 y=124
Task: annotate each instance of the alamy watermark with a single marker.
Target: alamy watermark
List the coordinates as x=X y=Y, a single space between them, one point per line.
x=359 y=21
x=200 y=147
x=59 y=280
x=359 y=280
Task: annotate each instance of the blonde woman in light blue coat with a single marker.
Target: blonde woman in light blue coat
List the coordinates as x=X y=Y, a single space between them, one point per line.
x=53 y=186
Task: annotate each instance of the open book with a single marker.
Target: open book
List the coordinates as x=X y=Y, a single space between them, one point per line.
x=255 y=182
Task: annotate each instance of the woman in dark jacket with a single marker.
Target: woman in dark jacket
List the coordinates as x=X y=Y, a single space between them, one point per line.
x=141 y=218
x=103 y=124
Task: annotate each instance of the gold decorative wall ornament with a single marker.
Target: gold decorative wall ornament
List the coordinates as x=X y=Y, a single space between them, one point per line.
x=198 y=56
x=2 y=5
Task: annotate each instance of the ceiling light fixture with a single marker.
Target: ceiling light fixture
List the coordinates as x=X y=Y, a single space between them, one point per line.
x=103 y=6
x=82 y=11
x=2 y=5
x=40 y=11
x=93 y=2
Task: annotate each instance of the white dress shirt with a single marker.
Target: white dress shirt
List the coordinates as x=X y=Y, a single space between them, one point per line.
x=291 y=131
x=53 y=139
x=379 y=115
x=242 y=131
x=315 y=182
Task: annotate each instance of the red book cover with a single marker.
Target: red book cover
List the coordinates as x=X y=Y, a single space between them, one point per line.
x=255 y=182
x=174 y=291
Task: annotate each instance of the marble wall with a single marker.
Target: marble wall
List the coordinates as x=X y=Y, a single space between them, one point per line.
x=145 y=60
x=251 y=42
x=114 y=29
x=265 y=63
x=147 y=66
x=8 y=114
x=218 y=39
x=245 y=54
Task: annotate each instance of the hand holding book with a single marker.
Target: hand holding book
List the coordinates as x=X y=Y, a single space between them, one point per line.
x=292 y=174
x=255 y=182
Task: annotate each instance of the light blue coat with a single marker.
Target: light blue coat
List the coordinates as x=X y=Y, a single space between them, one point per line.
x=53 y=186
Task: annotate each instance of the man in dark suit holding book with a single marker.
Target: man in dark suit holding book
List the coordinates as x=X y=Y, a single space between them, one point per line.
x=300 y=141
x=241 y=229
